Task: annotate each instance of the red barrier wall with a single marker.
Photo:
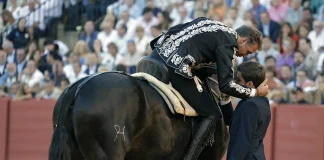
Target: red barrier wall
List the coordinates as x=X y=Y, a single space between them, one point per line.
x=3 y=127
x=30 y=129
x=299 y=133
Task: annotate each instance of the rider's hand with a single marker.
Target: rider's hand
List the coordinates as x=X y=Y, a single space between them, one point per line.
x=262 y=89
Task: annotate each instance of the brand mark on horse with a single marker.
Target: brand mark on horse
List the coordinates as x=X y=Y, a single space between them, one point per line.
x=117 y=128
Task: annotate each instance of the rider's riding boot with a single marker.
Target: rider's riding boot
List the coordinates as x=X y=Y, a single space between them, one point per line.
x=204 y=136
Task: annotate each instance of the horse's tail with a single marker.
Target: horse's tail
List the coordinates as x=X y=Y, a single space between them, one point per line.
x=60 y=145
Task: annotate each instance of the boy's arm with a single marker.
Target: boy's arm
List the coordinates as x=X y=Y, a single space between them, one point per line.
x=247 y=126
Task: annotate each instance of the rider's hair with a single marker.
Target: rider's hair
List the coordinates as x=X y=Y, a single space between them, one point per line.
x=252 y=71
x=253 y=35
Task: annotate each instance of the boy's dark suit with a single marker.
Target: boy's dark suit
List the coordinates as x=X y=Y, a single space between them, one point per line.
x=248 y=127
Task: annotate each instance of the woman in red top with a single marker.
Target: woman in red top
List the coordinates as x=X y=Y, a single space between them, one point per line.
x=287 y=31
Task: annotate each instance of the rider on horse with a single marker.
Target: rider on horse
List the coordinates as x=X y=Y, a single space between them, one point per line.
x=191 y=52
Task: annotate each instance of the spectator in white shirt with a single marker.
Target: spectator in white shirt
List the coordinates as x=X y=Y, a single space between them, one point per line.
x=49 y=91
x=77 y=73
x=34 y=15
x=32 y=76
x=233 y=14
x=121 y=38
x=147 y=21
x=68 y=68
x=130 y=22
x=133 y=56
x=141 y=40
x=92 y=64
x=52 y=12
x=107 y=35
x=113 y=58
x=182 y=18
x=132 y=8
x=317 y=35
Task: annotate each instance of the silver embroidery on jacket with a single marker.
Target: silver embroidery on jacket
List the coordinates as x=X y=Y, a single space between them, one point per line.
x=170 y=44
x=239 y=88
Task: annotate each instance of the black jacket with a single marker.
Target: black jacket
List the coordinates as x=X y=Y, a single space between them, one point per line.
x=202 y=43
x=248 y=127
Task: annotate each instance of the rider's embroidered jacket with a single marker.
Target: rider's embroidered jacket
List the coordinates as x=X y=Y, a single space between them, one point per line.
x=202 y=43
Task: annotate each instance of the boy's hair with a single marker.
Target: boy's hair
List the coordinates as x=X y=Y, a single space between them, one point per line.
x=252 y=71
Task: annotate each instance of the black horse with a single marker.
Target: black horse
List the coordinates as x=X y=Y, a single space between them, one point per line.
x=113 y=116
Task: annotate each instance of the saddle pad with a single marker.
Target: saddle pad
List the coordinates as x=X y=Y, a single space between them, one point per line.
x=175 y=102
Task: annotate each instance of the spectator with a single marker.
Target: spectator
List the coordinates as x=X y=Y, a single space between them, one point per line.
x=233 y=14
x=156 y=9
x=49 y=91
x=52 y=10
x=112 y=59
x=89 y=35
x=294 y=12
x=302 y=31
x=276 y=96
x=68 y=68
x=287 y=56
x=156 y=31
x=164 y=20
x=286 y=31
x=77 y=73
x=3 y=62
x=19 y=36
x=299 y=60
x=298 y=96
x=132 y=56
x=278 y=11
x=11 y=52
x=34 y=15
x=81 y=49
x=217 y=10
x=301 y=81
x=307 y=18
x=32 y=76
x=21 y=60
x=9 y=77
x=141 y=40
x=257 y=9
x=317 y=35
x=92 y=64
x=121 y=38
x=270 y=62
x=129 y=21
x=64 y=84
x=147 y=20
x=24 y=93
x=267 y=50
x=311 y=57
x=107 y=35
x=8 y=22
x=182 y=18
x=286 y=74
x=131 y=7
x=273 y=81
x=58 y=74
x=31 y=48
x=269 y=27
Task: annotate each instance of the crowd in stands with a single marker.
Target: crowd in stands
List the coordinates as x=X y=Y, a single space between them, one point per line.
x=117 y=33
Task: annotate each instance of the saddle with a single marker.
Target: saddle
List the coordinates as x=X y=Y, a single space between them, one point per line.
x=176 y=103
